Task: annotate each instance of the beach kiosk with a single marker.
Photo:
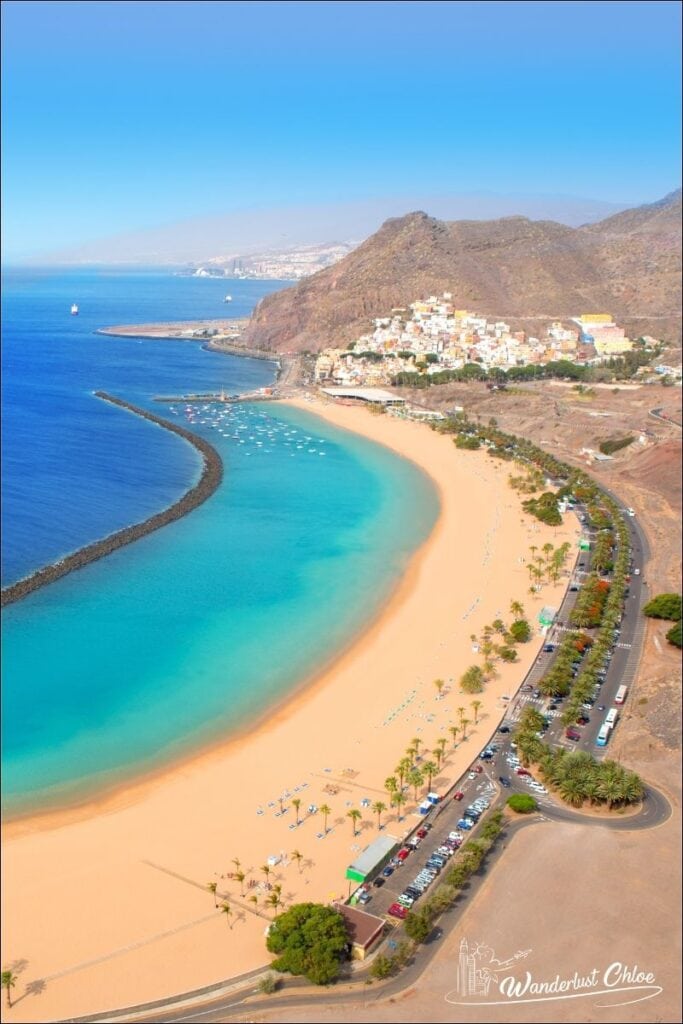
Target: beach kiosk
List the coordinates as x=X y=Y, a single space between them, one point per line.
x=584 y=544
x=372 y=859
x=546 y=616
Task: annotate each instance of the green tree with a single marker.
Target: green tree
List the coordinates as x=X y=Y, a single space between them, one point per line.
x=325 y=810
x=439 y=684
x=465 y=722
x=391 y=784
x=9 y=980
x=398 y=799
x=472 y=681
x=378 y=808
x=664 y=606
x=415 y=779
x=418 y=925
x=297 y=856
x=227 y=910
x=430 y=769
x=311 y=940
x=522 y=803
x=475 y=705
x=520 y=631
x=267 y=985
x=296 y=804
x=674 y=635
x=354 y=814
x=453 y=730
x=212 y=886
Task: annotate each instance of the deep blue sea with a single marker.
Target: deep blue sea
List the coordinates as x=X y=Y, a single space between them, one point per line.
x=189 y=633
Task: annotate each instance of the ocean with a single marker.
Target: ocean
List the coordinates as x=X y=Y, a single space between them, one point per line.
x=187 y=635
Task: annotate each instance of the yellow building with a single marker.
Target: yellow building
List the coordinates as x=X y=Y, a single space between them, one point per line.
x=612 y=346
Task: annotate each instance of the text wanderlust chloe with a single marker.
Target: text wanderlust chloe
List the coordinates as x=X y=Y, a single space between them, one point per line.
x=616 y=976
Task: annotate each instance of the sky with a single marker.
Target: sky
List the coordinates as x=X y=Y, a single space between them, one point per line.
x=124 y=116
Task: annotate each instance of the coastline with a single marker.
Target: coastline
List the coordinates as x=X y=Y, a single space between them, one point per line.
x=209 y=480
x=192 y=818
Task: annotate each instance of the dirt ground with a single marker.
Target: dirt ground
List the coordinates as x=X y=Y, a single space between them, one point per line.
x=614 y=909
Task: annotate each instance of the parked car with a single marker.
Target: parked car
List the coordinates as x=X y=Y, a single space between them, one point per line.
x=403 y=853
x=396 y=910
x=388 y=870
x=572 y=734
x=522 y=771
x=477 y=769
x=421 y=832
x=365 y=896
x=504 y=781
x=459 y=795
x=505 y=728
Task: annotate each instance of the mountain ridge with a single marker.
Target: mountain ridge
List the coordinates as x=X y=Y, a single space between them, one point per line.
x=627 y=264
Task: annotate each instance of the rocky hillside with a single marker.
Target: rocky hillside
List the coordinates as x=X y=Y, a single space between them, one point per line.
x=515 y=268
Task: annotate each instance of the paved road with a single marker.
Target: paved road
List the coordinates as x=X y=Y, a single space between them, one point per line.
x=659 y=415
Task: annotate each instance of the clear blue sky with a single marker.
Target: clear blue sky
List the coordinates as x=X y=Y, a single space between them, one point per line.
x=126 y=115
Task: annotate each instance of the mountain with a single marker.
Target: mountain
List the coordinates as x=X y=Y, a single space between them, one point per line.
x=628 y=265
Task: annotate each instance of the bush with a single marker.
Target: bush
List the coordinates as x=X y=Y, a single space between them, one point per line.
x=674 y=635
x=472 y=681
x=268 y=984
x=522 y=803
x=382 y=967
x=664 y=606
x=520 y=631
x=467 y=441
x=310 y=939
x=418 y=925
x=615 y=444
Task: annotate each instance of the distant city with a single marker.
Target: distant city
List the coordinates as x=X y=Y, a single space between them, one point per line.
x=285 y=265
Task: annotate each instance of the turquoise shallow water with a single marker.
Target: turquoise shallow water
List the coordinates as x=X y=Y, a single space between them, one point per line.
x=191 y=632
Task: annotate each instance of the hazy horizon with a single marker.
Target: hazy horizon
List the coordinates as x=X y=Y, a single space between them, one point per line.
x=242 y=232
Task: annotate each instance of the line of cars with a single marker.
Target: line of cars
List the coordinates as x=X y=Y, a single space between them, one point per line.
x=523 y=773
x=437 y=859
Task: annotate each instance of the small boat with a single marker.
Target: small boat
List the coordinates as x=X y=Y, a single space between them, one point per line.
x=74 y=310
x=228 y=298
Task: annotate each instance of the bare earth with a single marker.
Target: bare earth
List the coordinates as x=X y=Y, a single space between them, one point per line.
x=106 y=906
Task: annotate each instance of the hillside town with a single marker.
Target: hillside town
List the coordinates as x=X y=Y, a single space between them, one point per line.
x=431 y=336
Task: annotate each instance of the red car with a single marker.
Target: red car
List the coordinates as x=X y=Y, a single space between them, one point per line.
x=421 y=833
x=522 y=771
x=459 y=795
x=396 y=910
x=403 y=853
x=477 y=768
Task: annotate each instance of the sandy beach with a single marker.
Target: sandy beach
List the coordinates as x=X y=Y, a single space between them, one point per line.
x=107 y=906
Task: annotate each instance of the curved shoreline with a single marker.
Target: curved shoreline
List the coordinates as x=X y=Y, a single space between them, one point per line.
x=209 y=480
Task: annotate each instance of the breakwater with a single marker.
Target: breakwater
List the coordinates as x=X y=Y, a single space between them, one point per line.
x=211 y=476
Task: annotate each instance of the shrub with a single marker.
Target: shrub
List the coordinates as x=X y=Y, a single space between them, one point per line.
x=472 y=681
x=664 y=606
x=522 y=803
x=674 y=635
x=418 y=925
x=520 y=631
x=268 y=984
x=615 y=444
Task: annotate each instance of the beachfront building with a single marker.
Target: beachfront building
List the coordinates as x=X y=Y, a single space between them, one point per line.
x=364 y=930
x=368 y=396
x=373 y=858
x=547 y=616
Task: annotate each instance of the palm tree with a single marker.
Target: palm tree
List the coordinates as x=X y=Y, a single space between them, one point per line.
x=453 y=730
x=415 y=778
x=325 y=810
x=274 y=900
x=461 y=712
x=390 y=784
x=266 y=870
x=430 y=770
x=402 y=769
x=239 y=876
x=439 y=684
x=212 y=886
x=465 y=722
x=398 y=799
x=9 y=980
x=475 y=705
x=438 y=754
x=296 y=804
x=498 y=626
x=377 y=808
x=415 y=742
x=517 y=609
x=227 y=910
x=237 y=862
x=298 y=856
x=354 y=814
x=253 y=899
x=441 y=744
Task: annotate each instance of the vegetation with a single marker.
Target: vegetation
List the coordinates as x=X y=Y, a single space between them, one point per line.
x=472 y=681
x=268 y=984
x=664 y=606
x=386 y=966
x=520 y=631
x=9 y=980
x=522 y=803
x=615 y=444
x=471 y=856
x=310 y=939
x=544 y=508
x=674 y=635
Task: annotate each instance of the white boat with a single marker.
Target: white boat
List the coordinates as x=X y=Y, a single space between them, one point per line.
x=74 y=310
x=228 y=298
